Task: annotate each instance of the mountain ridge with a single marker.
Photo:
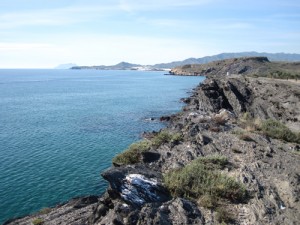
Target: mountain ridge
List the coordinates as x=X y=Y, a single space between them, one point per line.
x=290 y=57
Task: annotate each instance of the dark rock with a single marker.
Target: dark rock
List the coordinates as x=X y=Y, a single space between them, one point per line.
x=136 y=185
x=148 y=157
x=165 y=118
x=85 y=201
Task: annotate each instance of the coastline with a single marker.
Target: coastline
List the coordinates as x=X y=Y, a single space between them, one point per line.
x=209 y=125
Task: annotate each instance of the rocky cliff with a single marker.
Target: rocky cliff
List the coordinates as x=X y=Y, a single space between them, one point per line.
x=222 y=132
x=259 y=66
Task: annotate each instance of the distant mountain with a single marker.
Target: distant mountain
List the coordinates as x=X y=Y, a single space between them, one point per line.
x=65 y=66
x=163 y=66
x=119 y=66
x=271 y=56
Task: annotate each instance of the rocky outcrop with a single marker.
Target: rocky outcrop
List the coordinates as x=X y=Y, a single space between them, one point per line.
x=260 y=97
x=209 y=125
x=76 y=212
x=259 y=66
x=269 y=168
x=246 y=65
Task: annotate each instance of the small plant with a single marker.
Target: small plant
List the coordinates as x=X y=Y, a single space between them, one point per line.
x=202 y=181
x=208 y=201
x=133 y=154
x=223 y=216
x=276 y=129
x=214 y=161
x=38 y=221
x=166 y=137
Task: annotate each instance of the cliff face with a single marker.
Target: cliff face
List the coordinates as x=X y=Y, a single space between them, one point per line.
x=213 y=122
x=269 y=168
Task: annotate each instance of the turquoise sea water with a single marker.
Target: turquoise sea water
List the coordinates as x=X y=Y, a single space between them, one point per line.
x=60 y=128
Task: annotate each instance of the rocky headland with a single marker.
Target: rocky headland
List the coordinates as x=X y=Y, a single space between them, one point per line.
x=254 y=66
x=231 y=156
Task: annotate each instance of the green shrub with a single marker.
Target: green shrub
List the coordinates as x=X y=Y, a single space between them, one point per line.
x=133 y=154
x=166 y=137
x=38 y=221
x=213 y=161
x=276 y=129
x=202 y=178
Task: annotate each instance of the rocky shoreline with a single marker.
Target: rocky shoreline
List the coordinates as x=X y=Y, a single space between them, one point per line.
x=221 y=118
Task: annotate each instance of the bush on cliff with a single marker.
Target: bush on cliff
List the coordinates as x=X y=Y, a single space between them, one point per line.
x=133 y=154
x=38 y=221
x=202 y=181
x=166 y=137
x=276 y=129
x=269 y=127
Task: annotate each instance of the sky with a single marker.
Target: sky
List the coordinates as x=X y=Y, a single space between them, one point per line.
x=44 y=34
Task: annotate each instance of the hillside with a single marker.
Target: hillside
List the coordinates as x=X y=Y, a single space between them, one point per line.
x=259 y=66
x=271 y=56
x=119 y=66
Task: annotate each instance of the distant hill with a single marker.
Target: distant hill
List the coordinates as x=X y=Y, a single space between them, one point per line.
x=257 y=66
x=119 y=66
x=65 y=66
x=271 y=56
x=162 y=66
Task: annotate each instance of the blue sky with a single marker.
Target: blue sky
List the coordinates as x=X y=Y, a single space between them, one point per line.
x=43 y=34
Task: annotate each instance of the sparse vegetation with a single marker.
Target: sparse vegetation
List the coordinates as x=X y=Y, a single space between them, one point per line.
x=201 y=180
x=278 y=74
x=165 y=137
x=38 y=221
x=269 y=127
x=276 y=129
x=223 y=216
x=133 y=154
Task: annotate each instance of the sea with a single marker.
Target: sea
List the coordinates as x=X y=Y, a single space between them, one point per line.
x=59 y=129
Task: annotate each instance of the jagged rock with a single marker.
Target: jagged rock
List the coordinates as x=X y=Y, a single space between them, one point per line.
x=136 y=185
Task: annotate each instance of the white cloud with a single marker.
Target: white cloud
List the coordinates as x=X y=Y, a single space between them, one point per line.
x=236 y=26
x=148 y=5
x=54 y=17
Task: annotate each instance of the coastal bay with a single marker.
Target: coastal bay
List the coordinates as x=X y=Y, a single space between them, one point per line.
x=60 y=128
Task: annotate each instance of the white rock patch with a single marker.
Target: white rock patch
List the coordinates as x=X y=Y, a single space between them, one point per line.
x=139 y=189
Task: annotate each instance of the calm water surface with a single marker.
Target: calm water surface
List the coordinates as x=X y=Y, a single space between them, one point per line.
x=60 y=128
